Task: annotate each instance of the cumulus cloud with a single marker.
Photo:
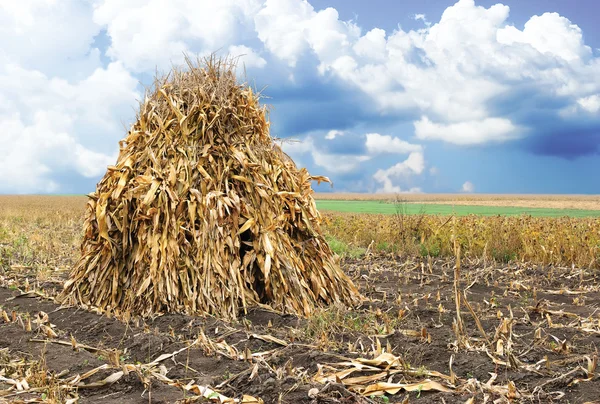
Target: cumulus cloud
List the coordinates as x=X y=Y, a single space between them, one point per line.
x=468 y=132
x=333 y=163
x=290 y=28
x=54 y=37
x=147 y=34
x=246 y=56
x=468 y=187
x=450 y=74
x=590 y=104
x=52 y=126
x=61 y=109
x=338 y=164
x=343 y=163
x=377 y=144
x=549 y=34
x=413 y=165
x=470 y=78
x=280 y=26
x=332 y=134
x=371 y=46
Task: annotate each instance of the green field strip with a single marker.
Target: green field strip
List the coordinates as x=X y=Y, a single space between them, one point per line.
x=447 y=209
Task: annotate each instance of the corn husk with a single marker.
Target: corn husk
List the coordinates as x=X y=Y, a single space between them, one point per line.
x=203 y=213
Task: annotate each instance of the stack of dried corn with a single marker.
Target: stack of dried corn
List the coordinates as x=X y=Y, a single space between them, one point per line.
x=203 y=213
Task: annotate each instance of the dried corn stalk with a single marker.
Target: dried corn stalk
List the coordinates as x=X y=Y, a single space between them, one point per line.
x=203 y=213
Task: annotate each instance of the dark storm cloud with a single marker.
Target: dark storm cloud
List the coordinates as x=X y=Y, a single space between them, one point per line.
x=526 y=102
x=566 y=141
x=548 y=131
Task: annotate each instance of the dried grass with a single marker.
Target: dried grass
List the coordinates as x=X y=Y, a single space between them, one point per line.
x=203 y=213
x=562 y=241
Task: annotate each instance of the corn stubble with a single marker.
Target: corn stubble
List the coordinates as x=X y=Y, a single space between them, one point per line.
x=203 y=213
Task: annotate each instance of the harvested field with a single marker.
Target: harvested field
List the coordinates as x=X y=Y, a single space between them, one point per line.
x=584 y=202
x=538 y=340
x=524 y=332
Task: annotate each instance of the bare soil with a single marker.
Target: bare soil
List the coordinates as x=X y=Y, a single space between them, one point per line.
x=541 y=323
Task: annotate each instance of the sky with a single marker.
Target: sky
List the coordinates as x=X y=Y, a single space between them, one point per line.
x=389 y=96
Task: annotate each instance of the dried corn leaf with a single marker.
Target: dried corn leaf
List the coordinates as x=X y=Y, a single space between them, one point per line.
x=246 y=399
x=379 y=389
x=270 y=338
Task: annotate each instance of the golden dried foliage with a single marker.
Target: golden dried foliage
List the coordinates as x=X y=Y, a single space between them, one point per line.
x=203 y=213
x=538 y=240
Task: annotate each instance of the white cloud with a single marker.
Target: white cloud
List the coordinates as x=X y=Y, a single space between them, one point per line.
x=422 y=17
x=451 y=71
x=468 y=187
x=468 y=132
x=432 y=69
x=246 y=57
x=549 y=34
x=590 y=104
x=377 y=144
x=372 y=45
x=48 y=35
x=147 y=34
x=61 y=111
x=332 y=134
x=41 y=148
x=298 y=147
x=289 y=28
x=413 y=165
x=333 y=163
x=280 y=26
x=52 y=125
x=338 y=163
x=58 y=97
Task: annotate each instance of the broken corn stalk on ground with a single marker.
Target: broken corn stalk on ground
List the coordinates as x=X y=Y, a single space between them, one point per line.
x=203 y=213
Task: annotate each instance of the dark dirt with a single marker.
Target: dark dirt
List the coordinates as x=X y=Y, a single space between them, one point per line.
x=410 y=308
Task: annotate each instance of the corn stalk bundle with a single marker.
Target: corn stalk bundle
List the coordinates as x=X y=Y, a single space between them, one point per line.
x=203 y=213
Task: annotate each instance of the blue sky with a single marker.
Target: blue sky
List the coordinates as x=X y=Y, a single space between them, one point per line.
x=381 y=96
